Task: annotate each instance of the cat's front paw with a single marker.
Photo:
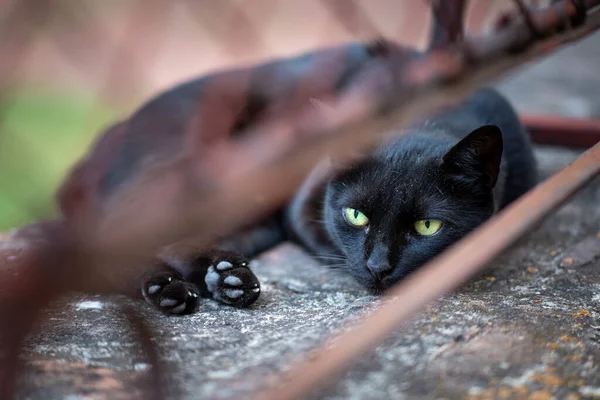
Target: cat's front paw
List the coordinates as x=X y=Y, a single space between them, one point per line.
x=232 y=282
x=170 y=293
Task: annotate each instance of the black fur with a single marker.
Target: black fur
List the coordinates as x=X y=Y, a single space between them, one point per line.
x=458 y=167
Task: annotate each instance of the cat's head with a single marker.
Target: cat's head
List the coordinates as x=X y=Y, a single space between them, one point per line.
x=410 y=200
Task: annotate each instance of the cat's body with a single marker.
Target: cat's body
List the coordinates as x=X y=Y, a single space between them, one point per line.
x=402 y=180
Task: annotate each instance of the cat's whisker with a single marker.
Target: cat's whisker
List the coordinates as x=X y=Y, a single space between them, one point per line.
x=335 y=266
x=321 y=255
x=329 y=257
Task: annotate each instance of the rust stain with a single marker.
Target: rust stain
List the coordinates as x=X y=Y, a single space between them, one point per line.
x=568 y=260
x=581 y=313
x=540 y=395
x=504 y=392
x=548 y=378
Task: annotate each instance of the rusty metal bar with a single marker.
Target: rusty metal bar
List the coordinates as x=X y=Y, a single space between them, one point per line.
x=524 y=10
x=448 y=26
x=561 y=131
x=440 y=276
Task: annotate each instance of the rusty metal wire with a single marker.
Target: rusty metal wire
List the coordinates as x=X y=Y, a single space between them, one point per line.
x=449 y=20
x=78 y=256
x=562 y=131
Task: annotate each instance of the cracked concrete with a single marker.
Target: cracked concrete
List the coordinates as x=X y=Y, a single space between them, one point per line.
x=528 y=327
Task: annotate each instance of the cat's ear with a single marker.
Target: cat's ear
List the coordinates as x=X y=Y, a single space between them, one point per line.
x=477 y=156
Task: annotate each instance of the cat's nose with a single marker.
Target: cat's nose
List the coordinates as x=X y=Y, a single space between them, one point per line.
x=378 y=262
x=379 y=269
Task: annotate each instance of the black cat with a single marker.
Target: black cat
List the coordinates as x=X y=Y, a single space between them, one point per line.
x=416 y=195
x=383 y=217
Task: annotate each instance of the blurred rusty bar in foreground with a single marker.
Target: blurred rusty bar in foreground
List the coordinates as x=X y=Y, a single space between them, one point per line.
x=558 y=131
x=449 y=22
x=437 y=278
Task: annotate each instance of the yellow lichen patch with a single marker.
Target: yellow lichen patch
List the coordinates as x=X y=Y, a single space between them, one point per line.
x=553 y=346
x=532 y=269
x=581 y=313
x=504 y=393
x=521 y=390
x=580 y=345
x=566 y=338
x=540 y=395
x=549 y=379
x=568 y=260
x=576 y=357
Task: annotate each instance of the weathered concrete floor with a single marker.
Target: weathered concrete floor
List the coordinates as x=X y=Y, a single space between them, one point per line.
x=529 y=327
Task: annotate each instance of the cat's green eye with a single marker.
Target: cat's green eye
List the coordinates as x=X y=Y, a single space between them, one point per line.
x=428 y=227
x=355 y=217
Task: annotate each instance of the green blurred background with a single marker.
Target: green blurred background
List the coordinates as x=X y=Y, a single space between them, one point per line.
x=42 y=134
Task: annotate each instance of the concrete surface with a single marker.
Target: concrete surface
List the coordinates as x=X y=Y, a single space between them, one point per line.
x=526 y=328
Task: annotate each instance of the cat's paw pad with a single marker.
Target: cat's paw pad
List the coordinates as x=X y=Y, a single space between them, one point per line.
x=170 y=294
x=232 y=283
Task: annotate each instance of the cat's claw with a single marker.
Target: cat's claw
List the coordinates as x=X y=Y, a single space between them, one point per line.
x=171 y=294
x=232 y=283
